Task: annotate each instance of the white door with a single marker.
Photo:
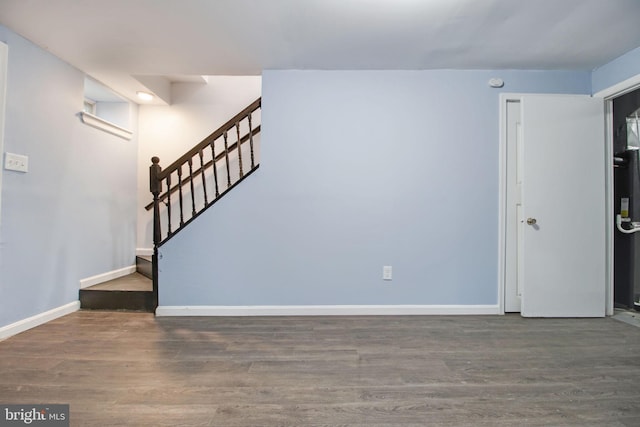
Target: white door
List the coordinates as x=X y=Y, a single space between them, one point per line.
x=563 y=246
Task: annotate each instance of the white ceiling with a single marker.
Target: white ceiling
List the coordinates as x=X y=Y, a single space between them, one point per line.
x=114 y=40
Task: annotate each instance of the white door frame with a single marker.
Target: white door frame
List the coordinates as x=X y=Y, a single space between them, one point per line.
x=4 y=58
x=502 y=198
x=608 y=95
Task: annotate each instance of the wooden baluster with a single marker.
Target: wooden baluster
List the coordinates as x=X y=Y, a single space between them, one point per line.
x=180 y=195
x=253 y=164
x=239 y=147
x=169 y=205
x=204 y=182
x=155 y=186
x=215 y=169
x=193 y=196
x=226 y=158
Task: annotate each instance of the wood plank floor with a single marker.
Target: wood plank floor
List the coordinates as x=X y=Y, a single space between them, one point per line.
x=131 y=369
x=130 y=282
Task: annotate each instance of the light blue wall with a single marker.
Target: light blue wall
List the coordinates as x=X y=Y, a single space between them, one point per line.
x=616 y=71
x=74 y=214
x=118 y=113
x=360 y=169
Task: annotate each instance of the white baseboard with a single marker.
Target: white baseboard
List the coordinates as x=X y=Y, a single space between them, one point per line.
x=105 y=277
x=144 y=251
x=326 y=310
x=38 y=319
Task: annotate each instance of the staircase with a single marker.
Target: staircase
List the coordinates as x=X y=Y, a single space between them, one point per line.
x=133 y=292
x=182 y=191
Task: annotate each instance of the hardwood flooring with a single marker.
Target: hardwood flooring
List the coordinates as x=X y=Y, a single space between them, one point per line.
x=130 y=282
x=132 y=369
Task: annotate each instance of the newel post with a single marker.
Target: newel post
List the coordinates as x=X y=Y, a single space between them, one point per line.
x=155 y=186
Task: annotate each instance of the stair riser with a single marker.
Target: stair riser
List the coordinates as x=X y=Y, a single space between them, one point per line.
x=144 y=267
x=117 y=300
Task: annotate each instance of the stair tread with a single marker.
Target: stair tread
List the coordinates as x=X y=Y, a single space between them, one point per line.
x=131 y=282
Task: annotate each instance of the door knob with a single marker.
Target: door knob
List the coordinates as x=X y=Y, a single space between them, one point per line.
x=531 y=221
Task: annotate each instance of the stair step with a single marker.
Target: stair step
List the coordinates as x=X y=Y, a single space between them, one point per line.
x=130 y=293
x=144 y=266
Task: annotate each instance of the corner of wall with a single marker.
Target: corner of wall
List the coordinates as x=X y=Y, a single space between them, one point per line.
x=617 y=75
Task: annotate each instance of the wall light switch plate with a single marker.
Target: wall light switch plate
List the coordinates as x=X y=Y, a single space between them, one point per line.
x=16 y=162
x=387 y=272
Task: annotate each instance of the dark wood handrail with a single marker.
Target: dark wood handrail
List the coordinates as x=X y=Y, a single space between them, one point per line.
x=211 y=138
x=206 y=166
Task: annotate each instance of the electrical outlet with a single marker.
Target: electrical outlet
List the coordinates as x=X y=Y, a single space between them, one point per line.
x=16 y=162
x=387 y=272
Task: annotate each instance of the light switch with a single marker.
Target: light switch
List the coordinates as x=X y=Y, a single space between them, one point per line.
x=16 y=162
x=387 y=272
